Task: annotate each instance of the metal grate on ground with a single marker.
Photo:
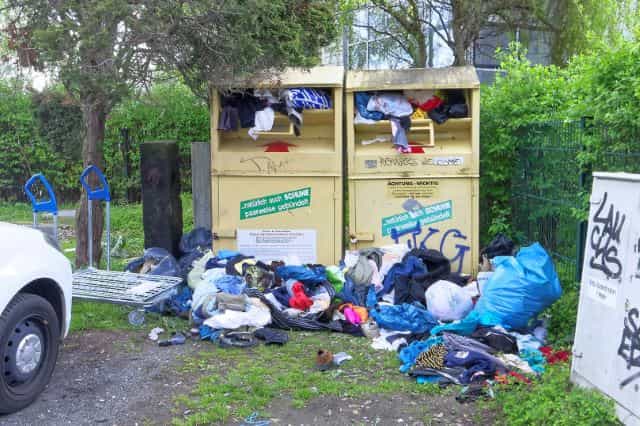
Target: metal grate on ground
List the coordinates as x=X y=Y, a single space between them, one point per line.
x=123 y=288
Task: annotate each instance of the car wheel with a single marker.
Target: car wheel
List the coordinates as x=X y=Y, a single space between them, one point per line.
x=30 y=335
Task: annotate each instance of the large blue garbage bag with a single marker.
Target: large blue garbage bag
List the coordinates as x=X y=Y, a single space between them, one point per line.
x=403 y=317
x=520 y=288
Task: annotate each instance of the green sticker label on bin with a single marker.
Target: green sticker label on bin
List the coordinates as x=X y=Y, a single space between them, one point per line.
x=275 y=203
x=426 y=215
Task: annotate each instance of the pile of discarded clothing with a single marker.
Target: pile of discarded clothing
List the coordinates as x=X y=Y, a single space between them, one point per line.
x=446 y=327
x=400 y=108
x=255 y=109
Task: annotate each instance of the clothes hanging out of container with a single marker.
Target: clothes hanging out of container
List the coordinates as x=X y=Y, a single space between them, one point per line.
x=401 y=108
x=256 y=110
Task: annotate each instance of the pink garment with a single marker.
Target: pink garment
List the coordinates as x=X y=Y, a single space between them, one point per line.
x=352 y=316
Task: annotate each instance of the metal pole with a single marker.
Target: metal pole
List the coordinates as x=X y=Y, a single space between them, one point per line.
x=108 y=235
x=35 y=219
x=55 y=226
x=90 y=232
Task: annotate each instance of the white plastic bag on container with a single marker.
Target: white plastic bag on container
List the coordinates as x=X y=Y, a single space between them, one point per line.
x=447 y=301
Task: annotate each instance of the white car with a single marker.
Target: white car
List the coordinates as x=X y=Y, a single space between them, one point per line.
x=35 y=302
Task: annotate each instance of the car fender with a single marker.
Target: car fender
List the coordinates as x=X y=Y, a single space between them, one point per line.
x=25 y=257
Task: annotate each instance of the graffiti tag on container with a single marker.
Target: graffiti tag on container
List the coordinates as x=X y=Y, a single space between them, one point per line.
x=397 y=162
x=604 y=240
x=266 y=164
x=452 y=234
x=443 y=161
x=629 y=348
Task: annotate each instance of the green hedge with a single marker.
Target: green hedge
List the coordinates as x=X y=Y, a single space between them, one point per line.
x=27 y=144
x=168 y=111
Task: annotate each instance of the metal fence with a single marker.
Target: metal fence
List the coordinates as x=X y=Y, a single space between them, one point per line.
x=552 y=182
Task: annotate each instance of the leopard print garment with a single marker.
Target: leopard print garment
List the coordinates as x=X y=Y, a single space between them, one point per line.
x=432 y=358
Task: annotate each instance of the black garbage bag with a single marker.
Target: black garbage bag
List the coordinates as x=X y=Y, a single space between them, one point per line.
x=281 y=320
x=439 y=114
x=161 y=262
x=458 y=111
x=437 y=264
x=199 y=238
x=501 y=245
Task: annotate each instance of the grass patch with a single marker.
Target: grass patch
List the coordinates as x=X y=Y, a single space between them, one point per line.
x=237 y=382
x=554 y=401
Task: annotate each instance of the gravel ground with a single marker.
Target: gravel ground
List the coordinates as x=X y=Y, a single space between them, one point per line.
x=115 y=378
x=398 y=409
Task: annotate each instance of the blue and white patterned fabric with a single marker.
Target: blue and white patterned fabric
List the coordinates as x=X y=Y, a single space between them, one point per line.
x=307 y=98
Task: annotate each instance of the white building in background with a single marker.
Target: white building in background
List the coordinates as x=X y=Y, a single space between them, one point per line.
x=368 y=49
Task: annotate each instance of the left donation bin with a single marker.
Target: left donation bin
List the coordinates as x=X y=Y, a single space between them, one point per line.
x=276 y=158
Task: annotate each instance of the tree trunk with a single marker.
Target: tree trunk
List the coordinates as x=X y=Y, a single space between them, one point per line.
x=462 y=20
x=420 y=59
x=94 y=114
x=459 y=53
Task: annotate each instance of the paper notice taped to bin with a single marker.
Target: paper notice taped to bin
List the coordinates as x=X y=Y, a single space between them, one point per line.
x=294 y=246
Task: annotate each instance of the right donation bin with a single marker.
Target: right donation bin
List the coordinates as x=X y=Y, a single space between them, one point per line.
x=413 y=160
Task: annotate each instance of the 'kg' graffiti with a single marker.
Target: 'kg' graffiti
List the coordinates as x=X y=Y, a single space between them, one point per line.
x=605 y=238
x=629 y=348
x=416 y=231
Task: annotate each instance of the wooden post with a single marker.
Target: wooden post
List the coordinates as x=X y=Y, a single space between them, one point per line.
x=161 y=203
x=201 y=183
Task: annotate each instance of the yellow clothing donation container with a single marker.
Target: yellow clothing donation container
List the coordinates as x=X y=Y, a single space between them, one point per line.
x=278 y=195
x=427 y=197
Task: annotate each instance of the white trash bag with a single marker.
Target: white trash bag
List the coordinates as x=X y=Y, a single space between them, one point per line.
x=447 y=301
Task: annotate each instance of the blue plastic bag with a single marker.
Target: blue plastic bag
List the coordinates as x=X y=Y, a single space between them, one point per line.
x=520 y=288
x=403 y=317
x=306 y=275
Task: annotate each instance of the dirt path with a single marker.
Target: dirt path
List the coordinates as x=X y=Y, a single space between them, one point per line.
x=398 y=409
x=111 y=378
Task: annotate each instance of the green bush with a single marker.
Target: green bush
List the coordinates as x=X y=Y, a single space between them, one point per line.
x=521 y=95
x=603 y=84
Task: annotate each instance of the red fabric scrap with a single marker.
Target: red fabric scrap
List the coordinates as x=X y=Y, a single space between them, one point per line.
x=431 y=104
x=519 y=377
x=554 y=356
x=277 y=146
x=299 y=299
